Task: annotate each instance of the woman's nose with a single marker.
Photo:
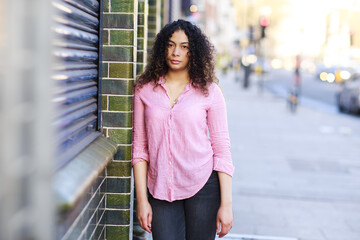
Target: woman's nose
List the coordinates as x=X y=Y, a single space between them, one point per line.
x=176 y=51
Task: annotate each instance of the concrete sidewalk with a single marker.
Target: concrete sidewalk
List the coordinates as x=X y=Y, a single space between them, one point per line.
x=297 y=175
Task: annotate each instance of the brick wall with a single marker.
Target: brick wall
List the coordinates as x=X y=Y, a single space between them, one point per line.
x=119 y=71
x=85 y=219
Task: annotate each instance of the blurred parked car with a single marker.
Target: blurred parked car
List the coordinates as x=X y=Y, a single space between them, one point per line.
x=333 y=74
x=348 y=97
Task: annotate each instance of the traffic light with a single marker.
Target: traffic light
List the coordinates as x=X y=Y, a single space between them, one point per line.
x=264 y=22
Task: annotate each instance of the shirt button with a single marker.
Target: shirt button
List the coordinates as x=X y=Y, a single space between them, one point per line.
x=170 y=163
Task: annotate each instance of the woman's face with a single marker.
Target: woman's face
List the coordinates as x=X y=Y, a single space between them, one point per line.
x=178 y=51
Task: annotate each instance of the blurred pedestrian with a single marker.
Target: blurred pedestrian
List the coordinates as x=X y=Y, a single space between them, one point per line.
x=247 y=71
x=295 y=88
x=297 y=76
x=182 y=177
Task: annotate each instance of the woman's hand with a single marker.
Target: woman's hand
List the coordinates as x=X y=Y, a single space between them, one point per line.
x=144 y=215
x=224 y=220
x=143 y=208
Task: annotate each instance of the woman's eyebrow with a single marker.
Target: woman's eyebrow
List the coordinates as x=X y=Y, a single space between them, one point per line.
x=180 y=43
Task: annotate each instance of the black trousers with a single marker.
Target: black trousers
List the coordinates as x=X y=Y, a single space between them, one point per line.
x=191 y=219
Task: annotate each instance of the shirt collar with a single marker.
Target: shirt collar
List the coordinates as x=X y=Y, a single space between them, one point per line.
x=162 y=81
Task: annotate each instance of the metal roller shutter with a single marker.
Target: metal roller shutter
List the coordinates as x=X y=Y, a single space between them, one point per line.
x=76 y=76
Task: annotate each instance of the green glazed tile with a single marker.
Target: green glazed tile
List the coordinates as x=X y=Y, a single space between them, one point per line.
x=151 y=19
x=118 y=217
x=151 y=26
x=117 y=232
x=134 y=214
x=124 y=54
x=104 y=69
x=140 y=44
x=120 y=103
x=122 y=6
x=106 y=6
x=121 y=37
x=141 y=6
x=139 y=68
x=120 y=136
x=105 y=37
x=103 y=102
x=121 y=70
x=102 y=236
x=151 y=36
x=116 y=119
x=120 y=87
x=119 y=169
x=98 y=231
x=118 y=185
x=150 y=43
x=141 y=19
x=152 y=2
x=152 y=9
x=119 y=201
x=140 y=32
x=125 y=21
x=140 y=57
x=123 y=153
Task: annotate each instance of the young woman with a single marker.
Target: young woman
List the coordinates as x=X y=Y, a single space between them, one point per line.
x=181 y=148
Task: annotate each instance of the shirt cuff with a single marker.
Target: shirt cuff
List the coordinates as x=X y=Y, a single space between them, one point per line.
x=221 y=165
x=136 y=160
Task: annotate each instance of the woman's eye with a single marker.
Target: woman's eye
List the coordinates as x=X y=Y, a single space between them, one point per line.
x=185 y=47
x=170 y=45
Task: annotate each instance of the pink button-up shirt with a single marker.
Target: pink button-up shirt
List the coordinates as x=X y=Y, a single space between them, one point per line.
x=175 y=141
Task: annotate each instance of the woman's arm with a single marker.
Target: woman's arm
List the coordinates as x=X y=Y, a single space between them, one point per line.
x=139 y=161
x=220 y=143
x=143 y=208
x=224 y=218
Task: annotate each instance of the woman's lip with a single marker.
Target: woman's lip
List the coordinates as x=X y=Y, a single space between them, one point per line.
x=175 y=61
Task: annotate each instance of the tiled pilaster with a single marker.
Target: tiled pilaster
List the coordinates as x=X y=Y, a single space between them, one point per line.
x=142 y=35
x=119 y=71
x=153 y=21
x=138 y=232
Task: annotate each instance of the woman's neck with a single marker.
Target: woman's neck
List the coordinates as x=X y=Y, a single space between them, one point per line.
x=179 y=77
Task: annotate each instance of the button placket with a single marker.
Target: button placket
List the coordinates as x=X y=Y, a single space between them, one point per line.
x=170 y=154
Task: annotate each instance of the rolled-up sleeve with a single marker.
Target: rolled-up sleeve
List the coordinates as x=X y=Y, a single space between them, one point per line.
x=140 y=146
x=219 y=134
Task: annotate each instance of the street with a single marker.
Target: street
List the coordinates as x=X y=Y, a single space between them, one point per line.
x=296 y=175
x=314 y=92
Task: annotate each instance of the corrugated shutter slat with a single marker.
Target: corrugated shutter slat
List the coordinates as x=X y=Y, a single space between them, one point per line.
x=90 y=7
x=76 y=75
x=76 y=15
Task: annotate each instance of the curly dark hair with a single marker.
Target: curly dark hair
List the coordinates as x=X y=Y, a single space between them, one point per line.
x=201 y=64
